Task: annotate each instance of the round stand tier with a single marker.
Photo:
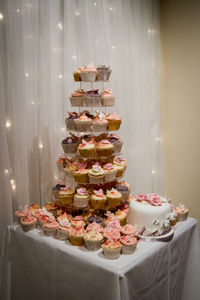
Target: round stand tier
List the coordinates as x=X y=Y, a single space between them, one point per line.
x=90 y=158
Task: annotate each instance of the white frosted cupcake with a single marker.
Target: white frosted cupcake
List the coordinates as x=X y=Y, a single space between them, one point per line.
x=96 y=174
x=93 y=240
x=107 y=98
x=81 y=198
x=112 y=249
x=63 y=229
x=88 y=73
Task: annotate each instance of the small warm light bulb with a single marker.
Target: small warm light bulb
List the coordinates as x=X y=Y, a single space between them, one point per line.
x=6 y=171
x=12 y=181
x=157 y=139
x=40 y=146
x=113 y=47
x=60 y=76
x=8 y=124
x=1 y=16
x=74 y=56
x=26 y=74
x=110 y=8
x=63 y=129
x=13 y=187
x=77 y=14
x=153 y=172
x=60 y=26
x=95 y=3
x=32 y=102
x=18 y=10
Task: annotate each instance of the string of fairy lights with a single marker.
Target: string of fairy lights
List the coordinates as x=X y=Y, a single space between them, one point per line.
x=59 y=25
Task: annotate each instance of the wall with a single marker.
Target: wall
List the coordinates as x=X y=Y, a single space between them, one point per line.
x=180 y=101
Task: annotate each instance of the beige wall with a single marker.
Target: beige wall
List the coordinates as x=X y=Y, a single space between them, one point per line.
x=180 y=101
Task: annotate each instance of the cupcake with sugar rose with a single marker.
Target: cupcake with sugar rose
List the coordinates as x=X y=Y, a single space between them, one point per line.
x=93 y=98
x=114 y=121
x=88 y=73
x=78 y=98
x=121 y=165
x=81 y=198
x=76 y=236
x=104 y=148
x=117 y=143
x=50 y=228
x=70 y=124
x=103 y=73
x=113 y=198
x=64 y=229
x=94 y=227
x=87 y=149
x=110 y=172
x=93 y=240
x=70 y=144
x=78 y=221
x=81 y=175
x=28 y=222
x=99 y=123
x=182 y=212
x=83 y=123
x=66 y=196
x=96 y=174
x=98 y=199
x=129 y=244
x=107 y=98
x=112 y=249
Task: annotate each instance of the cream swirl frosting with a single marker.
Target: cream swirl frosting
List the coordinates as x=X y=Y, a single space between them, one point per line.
x=113 y=117
x=82 y=192
x=96 y=170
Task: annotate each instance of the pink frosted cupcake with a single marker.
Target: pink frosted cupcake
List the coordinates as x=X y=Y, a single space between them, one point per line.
x=64 y=229
x=88 y=73
x=93 y=98
x=117 y=143
x=110 y=172
x=76 y=236
x=112 y=249
x=78 y=98
x=99 y=123
x=28 y=222
x=51 y=207
x=110 y=233
x=78 y=222
x=94 y=227
x=50 y=228
x=129 y=229
x=44 y=218
x=182 y=212
x=121 y=217
x=64 y=216
x=83 y=123
x=114 y=121
x=70 y=124
x=61 y=164
x=129 y=244
x=121 y=165
x=20 y=214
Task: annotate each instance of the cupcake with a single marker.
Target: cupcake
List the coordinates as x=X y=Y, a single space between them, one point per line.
x=56 y=189
x=78 y=98
x=93 y=240
x=71 y=166
x=104 y=148
x=94 y=227
x=96 y=174
x=112 y=249
x=113 y=198
x=76 y=236
x=97 y=219
x=123 y=189
x=182 y=212
x=66 y=196
x=70 y=124
x=88 y=73
x=81 y=198
x=81 y=175
x=99 y=123
x=110 y=172
x=114 y=121
x=78 y=222
x=50 y=228
x=60 y=164
x=45 y=217
x=64 y=216
x=124 y=207
x=120 y=164
x=110 y=233
x=70 y=144
x=28 y=222
x=107 y=98
x=20 y=214
x=63 y=229
x=117 y=143
x=129 y=229
x=51 y=207
x=98 y=199
x=87 y=149
x=121 y=216
x=103 y=73
x=33 y=207
x=93 y=98
x=76 y=74
x=129 y=244
x=83 y=123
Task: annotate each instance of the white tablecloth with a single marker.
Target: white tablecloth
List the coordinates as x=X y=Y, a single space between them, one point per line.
x=37 y=267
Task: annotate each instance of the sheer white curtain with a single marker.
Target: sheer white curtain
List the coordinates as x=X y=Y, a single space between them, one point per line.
x=42 y=42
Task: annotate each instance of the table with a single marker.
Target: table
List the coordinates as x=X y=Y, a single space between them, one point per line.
x=34 y=266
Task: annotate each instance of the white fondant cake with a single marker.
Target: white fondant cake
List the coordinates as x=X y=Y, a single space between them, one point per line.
x=150 y=212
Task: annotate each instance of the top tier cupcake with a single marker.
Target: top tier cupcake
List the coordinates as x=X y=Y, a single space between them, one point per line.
x=91 y=73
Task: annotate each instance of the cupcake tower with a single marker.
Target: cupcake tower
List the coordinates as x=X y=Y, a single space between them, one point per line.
x=92 y=150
